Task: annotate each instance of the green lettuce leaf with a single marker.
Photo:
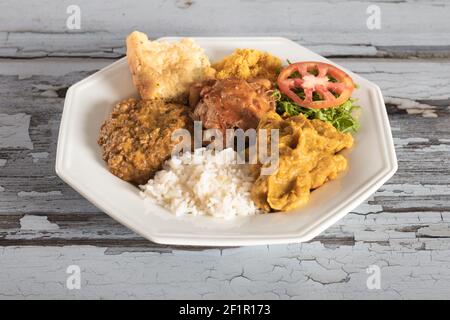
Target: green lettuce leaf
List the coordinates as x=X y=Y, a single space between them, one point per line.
x=343 y=117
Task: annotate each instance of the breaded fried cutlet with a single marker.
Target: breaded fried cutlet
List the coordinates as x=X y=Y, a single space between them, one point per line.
x=137 y=137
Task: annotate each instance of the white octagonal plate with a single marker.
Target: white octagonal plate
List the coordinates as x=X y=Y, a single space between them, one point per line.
x=372 y=161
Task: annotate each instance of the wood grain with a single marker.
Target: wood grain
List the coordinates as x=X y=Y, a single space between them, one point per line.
x=45 y=226
x=420 y=186
x=330 y=27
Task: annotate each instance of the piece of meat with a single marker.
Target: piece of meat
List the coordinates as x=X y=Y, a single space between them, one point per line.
x=231 y=103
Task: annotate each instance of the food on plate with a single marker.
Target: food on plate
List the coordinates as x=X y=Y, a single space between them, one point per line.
x=248 y=64
x=307 y=159
x=165 y=70
x=343 y=117
x=203 y=183
x=231 y=103
x=318 y=91
x=136 y=137
x=308 y=103
x=315 y=85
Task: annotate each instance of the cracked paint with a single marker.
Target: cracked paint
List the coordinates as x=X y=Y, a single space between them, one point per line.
x=37 y=156
x=38 y=194
x=26 y=36
x=48 y=91
x=37 y=223
x=401 y=142
x=368 y=208
x=437 y=148
x=413 y=107
x=241 y=273
x=413 y=190
x=14 y=131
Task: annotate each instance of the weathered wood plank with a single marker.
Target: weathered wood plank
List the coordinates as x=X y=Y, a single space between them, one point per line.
x=37 y=208
x=45 y=226
x=408 y=28
x=368 y=224
x=408 y=269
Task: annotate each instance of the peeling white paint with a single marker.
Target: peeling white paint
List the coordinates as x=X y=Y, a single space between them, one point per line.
x=444 y=147
x=2 y=189
x=367 y=208
x=429 y=114
x=413 y=190
x=24 y=76
x=437 y=148
x=19 y=41
x=14 y=131
x=47 y=90
x=49 y=94
x=38 y=194
x=37 y=223
x=279 y=272
x=46 y=87
x=339 y=49
x=39 y=156
x=27 y=68
x=372 y=235
x=413 y=107
x=400 y=142
x=323 y=275
x=435 y=231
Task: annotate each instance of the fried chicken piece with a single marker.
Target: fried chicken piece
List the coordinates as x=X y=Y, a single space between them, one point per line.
x=136 y=138
x=231 y=103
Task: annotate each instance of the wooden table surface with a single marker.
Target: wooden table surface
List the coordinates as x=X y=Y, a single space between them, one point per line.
x=404 y=228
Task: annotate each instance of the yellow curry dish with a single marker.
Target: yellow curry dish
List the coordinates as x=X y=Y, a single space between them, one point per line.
x=308 y=157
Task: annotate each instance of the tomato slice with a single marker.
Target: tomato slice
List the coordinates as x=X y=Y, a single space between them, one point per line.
x=299 y=81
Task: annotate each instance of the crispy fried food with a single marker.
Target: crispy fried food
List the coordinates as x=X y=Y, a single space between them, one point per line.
x=231 y=103
x=136 y=138
x=248 y=64
x=166 y=70
x=307 y=159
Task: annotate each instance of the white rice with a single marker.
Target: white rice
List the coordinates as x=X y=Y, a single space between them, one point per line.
x=203 y=183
